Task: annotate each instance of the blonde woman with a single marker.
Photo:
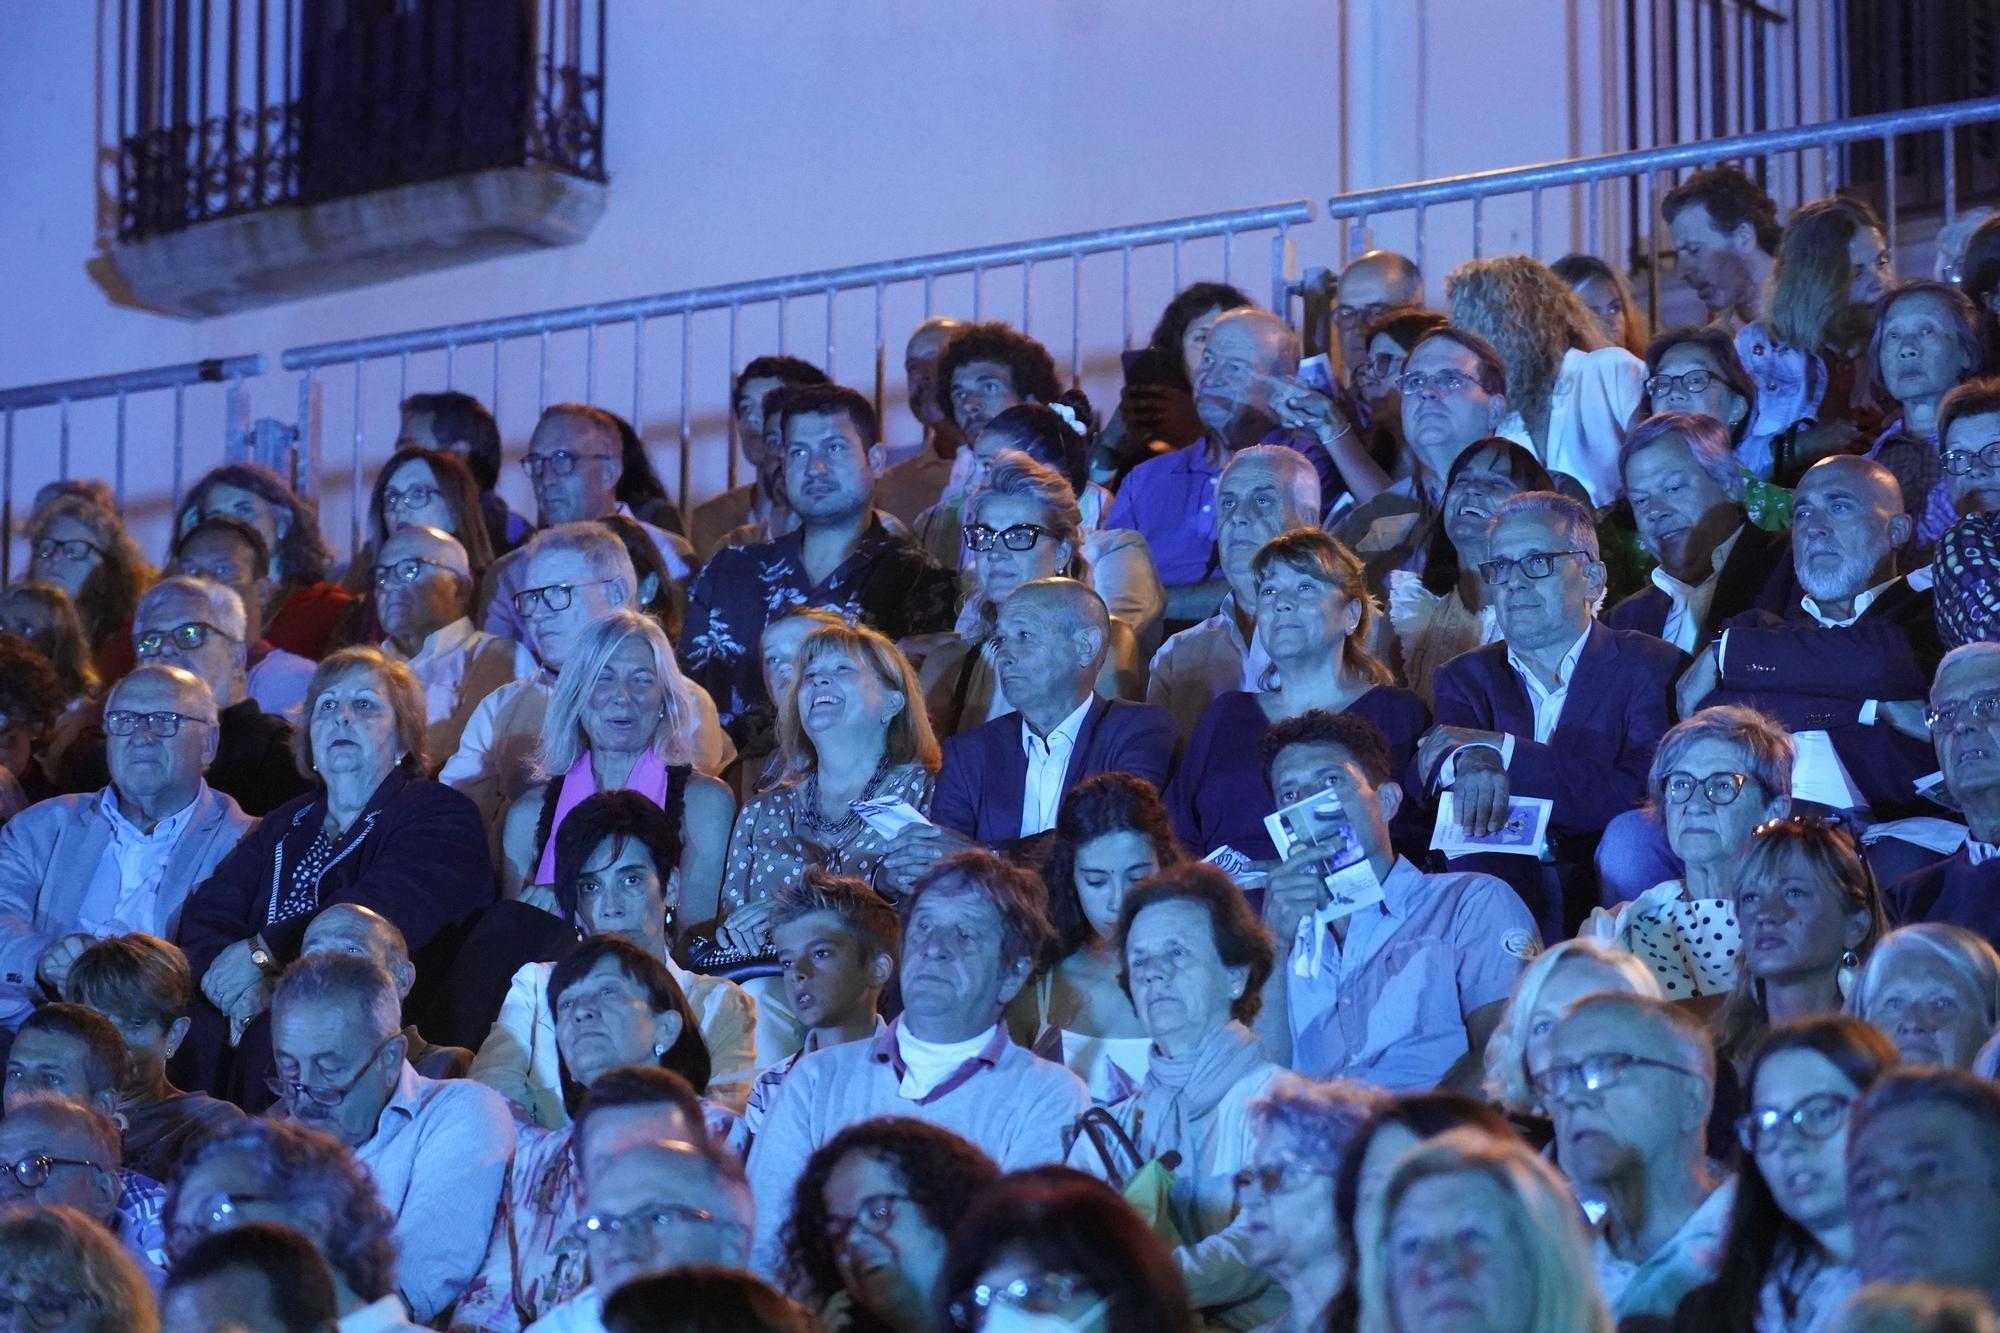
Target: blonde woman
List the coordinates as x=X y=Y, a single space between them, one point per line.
x=1570 y=390
x=1473 y=1220
x=622 y=717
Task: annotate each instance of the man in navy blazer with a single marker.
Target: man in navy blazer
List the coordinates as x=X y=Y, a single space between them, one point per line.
x=1850 y=660
x=1565 y=708
x=1686 y=492
x=1964 y=888
x=1003 y=780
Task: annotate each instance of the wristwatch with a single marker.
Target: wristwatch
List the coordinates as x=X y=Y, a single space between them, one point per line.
x=265 y=963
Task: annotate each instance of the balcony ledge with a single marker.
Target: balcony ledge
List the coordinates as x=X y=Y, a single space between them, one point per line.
x=287 y=253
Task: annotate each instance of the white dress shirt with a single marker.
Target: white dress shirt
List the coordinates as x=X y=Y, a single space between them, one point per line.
x=1546 y=701
x=1688 y=603
x=1048 y=766
x=124 y=894
x=1594 y=396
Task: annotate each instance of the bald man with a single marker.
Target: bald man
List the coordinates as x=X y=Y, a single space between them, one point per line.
x=1629 y=1082
x=1842 y=649
x=1170 y=499
x=423 y=595
x=1003 y=780
x=76 y=868
x=353 y=929
x=1370 y=286
x=942 y=462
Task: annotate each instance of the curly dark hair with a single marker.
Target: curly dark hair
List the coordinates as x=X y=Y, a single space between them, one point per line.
x=942 y=1172
x=1362 y=740
x=1732 y=199
x=784 y=369
x=833 y=400
x=1241 y=940
x=1106 y=803
x=111 y=591
x=1028 y=362
x=301 y=1166
x=1188 y=305
x=302 y=555
x=30 y=694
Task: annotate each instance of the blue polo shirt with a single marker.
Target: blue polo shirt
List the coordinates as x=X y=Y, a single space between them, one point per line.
x=1170 y=500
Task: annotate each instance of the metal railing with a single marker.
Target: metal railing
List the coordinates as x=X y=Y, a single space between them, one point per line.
x=1022 y=268
x=1357 y=213
x=118 y=392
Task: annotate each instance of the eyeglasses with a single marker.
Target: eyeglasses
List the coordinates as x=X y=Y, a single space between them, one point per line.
x=1980 y=708
x=1020 y=537
x=407 y=571
x=218 y=1212
x=1380 y=368
x=74 y=549
x=1348 y=316
x=562 y=462
x=1718 y=788
x=1415 y=383
x=1269 y=1180
x=1535 y=564
x=412 y=497
x=556 y=596
x=1958 y=462
x=48 y=1308
x=649 y=1222
x=1816 y=1119
x=1688 y=382
x=189 y=636
x=290 y=1090
x=1593 y=1073
x=875 y=1216
x=32 y=1171
x=164 y=726
x=1046 y=1293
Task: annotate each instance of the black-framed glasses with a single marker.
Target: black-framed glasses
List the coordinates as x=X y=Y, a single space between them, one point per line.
x=562 y=462
x=1416 y=383
x=1816 y=1119
x=189 y=637
x=29 y=1306
x=1535 y=564
x=1020 y=537
x=652 y=1221
x=1981 y=708
x=1958 y=462
x=1269 y=1180
x=162 y=725
x=1688 y=382
x=414 y=497
x=407 y=570
x=1717 y=788
x=556 y=596
x=1044 y=1293
x=291 y=1090
x=74 y=548
x=32 y=1172
x=875 y=1215
x=1594 y=1073
x=1351 y=316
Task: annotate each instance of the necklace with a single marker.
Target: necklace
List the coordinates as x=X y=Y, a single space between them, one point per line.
x=836 y=829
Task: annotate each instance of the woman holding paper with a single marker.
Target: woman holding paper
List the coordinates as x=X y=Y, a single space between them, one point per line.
x=622 y=718
x=1313 y=618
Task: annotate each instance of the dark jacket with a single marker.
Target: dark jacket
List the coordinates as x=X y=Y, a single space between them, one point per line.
x=985 y=772
x=1752 y=561
x=1954 y=891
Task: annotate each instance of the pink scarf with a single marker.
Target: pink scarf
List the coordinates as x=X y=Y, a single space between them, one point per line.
x=648 y=778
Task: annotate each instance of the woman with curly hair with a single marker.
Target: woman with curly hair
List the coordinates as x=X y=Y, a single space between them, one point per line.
x=43 y=616
x=82 y=547
x=871 y=1217
x=1571 y=392
x=31 y=698
x=306 y=610
x=1164 y=411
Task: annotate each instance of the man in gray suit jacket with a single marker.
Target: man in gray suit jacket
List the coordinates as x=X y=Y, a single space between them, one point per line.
x=76 y=868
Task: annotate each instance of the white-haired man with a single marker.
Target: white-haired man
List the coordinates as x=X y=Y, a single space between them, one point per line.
x=1265 y=490
x=1964 y=717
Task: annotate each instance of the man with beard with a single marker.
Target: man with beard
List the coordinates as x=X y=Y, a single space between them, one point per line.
x=1845 y=660
x=1629 y=1082
x=1725 y=230
x=841 y=558
x=1964 y=716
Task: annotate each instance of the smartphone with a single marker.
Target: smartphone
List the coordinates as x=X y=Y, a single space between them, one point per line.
x=1150 y=365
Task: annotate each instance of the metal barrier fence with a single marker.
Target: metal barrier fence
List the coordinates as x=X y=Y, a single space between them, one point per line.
x=118 y=392
x=704 y=362
x=1358 y=212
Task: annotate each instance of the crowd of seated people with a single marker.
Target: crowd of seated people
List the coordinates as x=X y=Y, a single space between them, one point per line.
x=1504 y=837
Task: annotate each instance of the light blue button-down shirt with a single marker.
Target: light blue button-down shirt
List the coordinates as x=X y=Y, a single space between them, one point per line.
x=1388 y=1005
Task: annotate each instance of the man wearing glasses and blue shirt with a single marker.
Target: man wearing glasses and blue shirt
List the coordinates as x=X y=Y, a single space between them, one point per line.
x=74 y=869
x=437 y=1148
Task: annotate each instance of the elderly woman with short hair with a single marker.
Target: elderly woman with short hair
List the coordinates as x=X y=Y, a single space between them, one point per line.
x=1715 y=778
x=1195 y=960
x=1926 y=342
x=1558 y=977
x=1935 y=989
x=373 y=832
x=622 y=717
x=306 y=609
x=81 y=546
